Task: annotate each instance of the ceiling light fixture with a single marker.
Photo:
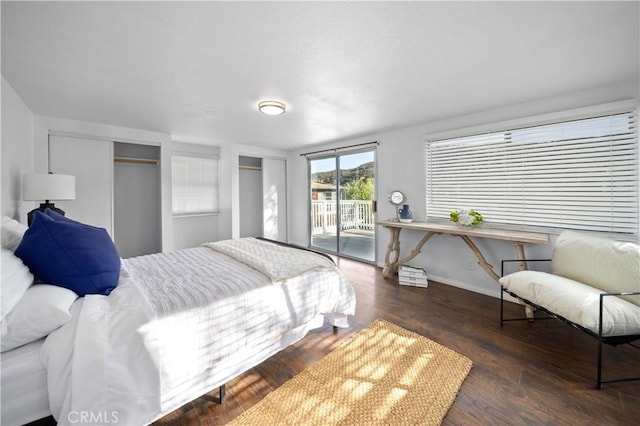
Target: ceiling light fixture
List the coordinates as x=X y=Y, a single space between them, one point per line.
x=272 y=107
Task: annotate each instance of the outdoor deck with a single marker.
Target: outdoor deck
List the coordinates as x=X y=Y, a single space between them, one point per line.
x=356 y=243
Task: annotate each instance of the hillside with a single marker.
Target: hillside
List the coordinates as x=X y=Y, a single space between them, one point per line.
x=346 y=175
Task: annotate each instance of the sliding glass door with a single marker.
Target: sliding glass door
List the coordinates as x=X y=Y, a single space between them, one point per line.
x=343 y=204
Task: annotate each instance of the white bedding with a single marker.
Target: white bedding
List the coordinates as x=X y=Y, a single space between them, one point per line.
x=24 y=385
x=178 y=321
x=275 y=261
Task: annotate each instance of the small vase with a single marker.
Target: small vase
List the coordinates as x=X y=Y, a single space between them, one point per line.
x=470 y=226
x=404 y=214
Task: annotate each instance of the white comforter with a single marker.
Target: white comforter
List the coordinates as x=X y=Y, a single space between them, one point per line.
x=275 y=261
x=174 y=322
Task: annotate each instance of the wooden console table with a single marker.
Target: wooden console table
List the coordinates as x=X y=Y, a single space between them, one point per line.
x=517 y=237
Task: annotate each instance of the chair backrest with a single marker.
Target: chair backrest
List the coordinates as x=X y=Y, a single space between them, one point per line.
x=609 y=265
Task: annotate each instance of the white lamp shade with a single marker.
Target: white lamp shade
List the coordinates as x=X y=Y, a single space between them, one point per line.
x=41 y=186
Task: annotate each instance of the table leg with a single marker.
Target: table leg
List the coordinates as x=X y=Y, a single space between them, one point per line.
x=522 y=266
x=393 y=247
x=481 y=260
x=391 y=268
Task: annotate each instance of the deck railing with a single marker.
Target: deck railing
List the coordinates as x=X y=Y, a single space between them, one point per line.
x=354 y=214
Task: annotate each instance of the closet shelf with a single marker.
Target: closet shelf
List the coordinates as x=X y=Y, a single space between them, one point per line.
x=134 y=160
x=256 y=168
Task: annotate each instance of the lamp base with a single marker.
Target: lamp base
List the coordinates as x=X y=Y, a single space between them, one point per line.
x=42 y=208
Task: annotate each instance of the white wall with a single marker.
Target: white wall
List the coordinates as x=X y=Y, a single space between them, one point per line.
x=17 y=152
x=44 y=126
x=25 y=150
x=401 y=166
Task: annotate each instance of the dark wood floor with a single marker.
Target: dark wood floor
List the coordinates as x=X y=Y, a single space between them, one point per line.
x=523 y=374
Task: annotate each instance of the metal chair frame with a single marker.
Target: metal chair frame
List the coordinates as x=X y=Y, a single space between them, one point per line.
x=609 y=340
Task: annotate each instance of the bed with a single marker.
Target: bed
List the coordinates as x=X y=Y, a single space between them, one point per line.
x=181 y=324
x=24 y=385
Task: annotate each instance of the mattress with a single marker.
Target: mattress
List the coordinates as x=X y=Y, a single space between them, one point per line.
x=24 y=385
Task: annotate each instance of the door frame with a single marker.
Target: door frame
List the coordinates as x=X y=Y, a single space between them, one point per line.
x=337 y=154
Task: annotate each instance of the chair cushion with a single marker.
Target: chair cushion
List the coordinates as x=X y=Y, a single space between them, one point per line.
x=608 y=265
x=577 y=302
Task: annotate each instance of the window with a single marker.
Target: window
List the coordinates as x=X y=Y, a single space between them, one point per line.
x=195 y=184
x=580 y=174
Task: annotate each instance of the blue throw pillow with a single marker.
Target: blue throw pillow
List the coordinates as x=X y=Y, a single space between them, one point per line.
x=59 y=217
x=70 y=254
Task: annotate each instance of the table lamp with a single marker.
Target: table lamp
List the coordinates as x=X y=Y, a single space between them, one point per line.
x=43 y=186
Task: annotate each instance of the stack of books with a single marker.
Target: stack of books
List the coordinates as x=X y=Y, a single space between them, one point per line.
x=412 y=276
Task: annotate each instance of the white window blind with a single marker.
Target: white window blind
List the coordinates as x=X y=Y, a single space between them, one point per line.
x=194 y=184
x=580 y=174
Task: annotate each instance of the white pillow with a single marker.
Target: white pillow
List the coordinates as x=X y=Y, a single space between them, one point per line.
x=609 y=265
x=42 y=309
x=16 y=278
x=12 y=232
x=576 y=302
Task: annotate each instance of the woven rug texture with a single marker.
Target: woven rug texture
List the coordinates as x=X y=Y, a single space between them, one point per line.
x=383 y=375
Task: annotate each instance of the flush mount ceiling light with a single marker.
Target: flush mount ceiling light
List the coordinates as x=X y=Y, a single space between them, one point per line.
x=272 y=107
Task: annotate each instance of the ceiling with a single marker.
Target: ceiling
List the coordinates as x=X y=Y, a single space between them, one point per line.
x=197 y=70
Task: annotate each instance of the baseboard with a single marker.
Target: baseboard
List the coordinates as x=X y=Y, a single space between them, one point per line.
x=471 y=287
x=466 y=286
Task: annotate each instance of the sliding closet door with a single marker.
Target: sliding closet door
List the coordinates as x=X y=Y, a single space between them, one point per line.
x=91 y=162
x=274 y=198
x=251 y=215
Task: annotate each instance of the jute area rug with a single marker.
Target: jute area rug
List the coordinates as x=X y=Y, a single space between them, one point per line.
x=383 y=375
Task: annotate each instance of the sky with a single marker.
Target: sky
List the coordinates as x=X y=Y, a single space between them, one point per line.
x=347 y=161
